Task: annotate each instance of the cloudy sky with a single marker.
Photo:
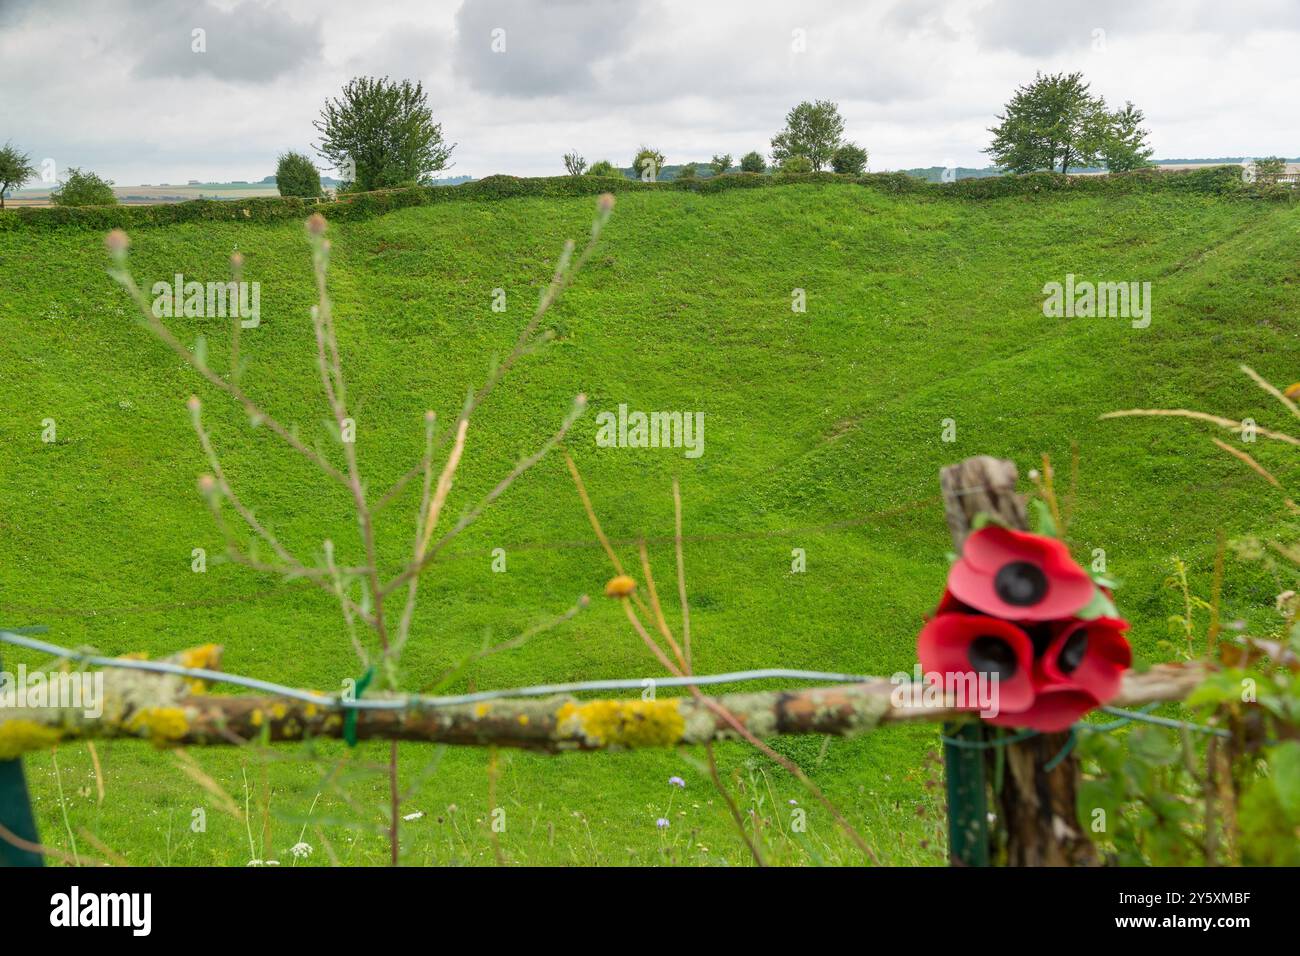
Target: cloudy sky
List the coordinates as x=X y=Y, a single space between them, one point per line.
x=114 y=85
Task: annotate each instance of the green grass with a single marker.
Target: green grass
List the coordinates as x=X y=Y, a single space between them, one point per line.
x=918 y=310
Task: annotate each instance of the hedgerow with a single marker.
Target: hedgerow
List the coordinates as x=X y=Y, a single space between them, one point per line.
x=1214 y=180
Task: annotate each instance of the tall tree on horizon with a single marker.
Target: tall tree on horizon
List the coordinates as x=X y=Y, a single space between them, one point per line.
x=1050 y=123
x=812 y=130
x=1125 y=146
x=382 y=134
x=15 y=169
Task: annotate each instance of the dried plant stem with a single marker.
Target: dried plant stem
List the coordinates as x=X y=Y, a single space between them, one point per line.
x=1228 y=423
x=413 y=586
x=467 y=519
x=681 y=571
x=1259 y=470
x=253 y=410
x=658 y=611
x=730 y=801
x=1268 y=387
x=394 y=807
x=331 y=371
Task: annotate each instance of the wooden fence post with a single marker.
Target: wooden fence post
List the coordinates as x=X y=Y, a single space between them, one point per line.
x=1036 y=820
x=16 y=815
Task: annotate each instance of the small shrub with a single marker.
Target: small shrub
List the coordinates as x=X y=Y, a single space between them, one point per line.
x=850 y=159
x=574 y=164
x=647 y=163
x=296 y=175
x=83 y=188
x=603 y=168
x=795 y=163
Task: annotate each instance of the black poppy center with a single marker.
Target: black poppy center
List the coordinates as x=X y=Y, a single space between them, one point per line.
x=1071 y=656
x=1020 y=583
x=992 y=655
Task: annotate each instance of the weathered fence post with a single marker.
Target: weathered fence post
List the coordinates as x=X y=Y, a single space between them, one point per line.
x=16 y=815
x=1036 y=821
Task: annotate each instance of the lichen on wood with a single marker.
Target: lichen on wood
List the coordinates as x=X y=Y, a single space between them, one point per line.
x=171 y=710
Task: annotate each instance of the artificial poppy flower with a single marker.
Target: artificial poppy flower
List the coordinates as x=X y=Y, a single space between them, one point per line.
x=1087 y=655
x=1053 y=709
x=959 y=647
x=949 y=604
x=1019 y=576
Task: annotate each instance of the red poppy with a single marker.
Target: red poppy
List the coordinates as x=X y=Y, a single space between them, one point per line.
x=1087 y=655
x=961 y=647
x=1053 y=709
x=1019 y=576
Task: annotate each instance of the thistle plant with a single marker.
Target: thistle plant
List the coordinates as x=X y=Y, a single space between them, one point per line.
x=376 y=603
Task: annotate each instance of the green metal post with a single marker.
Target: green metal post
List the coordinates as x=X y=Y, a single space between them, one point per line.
x=968 y=820
x=16 y=815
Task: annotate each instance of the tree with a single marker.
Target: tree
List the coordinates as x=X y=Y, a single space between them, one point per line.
x=381 y=134
x=812 y=130
x=687 y=171
x=83 y=188
x=574 y=164
x=795 y=163
x=752 y=162
x=297 y=175
x=647 y=163
x=1052 y=122
x=1125 y=144
x=603 y=167
x=849 y=158
x=15 y=169
x=720 y=164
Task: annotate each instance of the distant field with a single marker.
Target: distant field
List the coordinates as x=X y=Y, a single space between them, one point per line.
x=918 y=310
x=148 y=195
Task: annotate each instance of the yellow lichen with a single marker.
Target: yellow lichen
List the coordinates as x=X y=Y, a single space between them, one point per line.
x=278 y=711
x=624 y=723
x=481 y=710
x=17 y=737
x=523 y=720
x=256 y=718
x=162 y=725
x=204 y=657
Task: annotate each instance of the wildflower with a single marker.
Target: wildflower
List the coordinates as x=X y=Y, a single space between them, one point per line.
x=662 y=823
x=117 y=242
x=605 y=202
x=300 y=851
x=414 y=816
x=316 y=224
x=620 y=586
x=677 y=782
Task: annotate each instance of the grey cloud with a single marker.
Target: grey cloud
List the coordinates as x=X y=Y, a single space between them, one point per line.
x=1036 y=28
x=251 y=43
x=550 y=49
